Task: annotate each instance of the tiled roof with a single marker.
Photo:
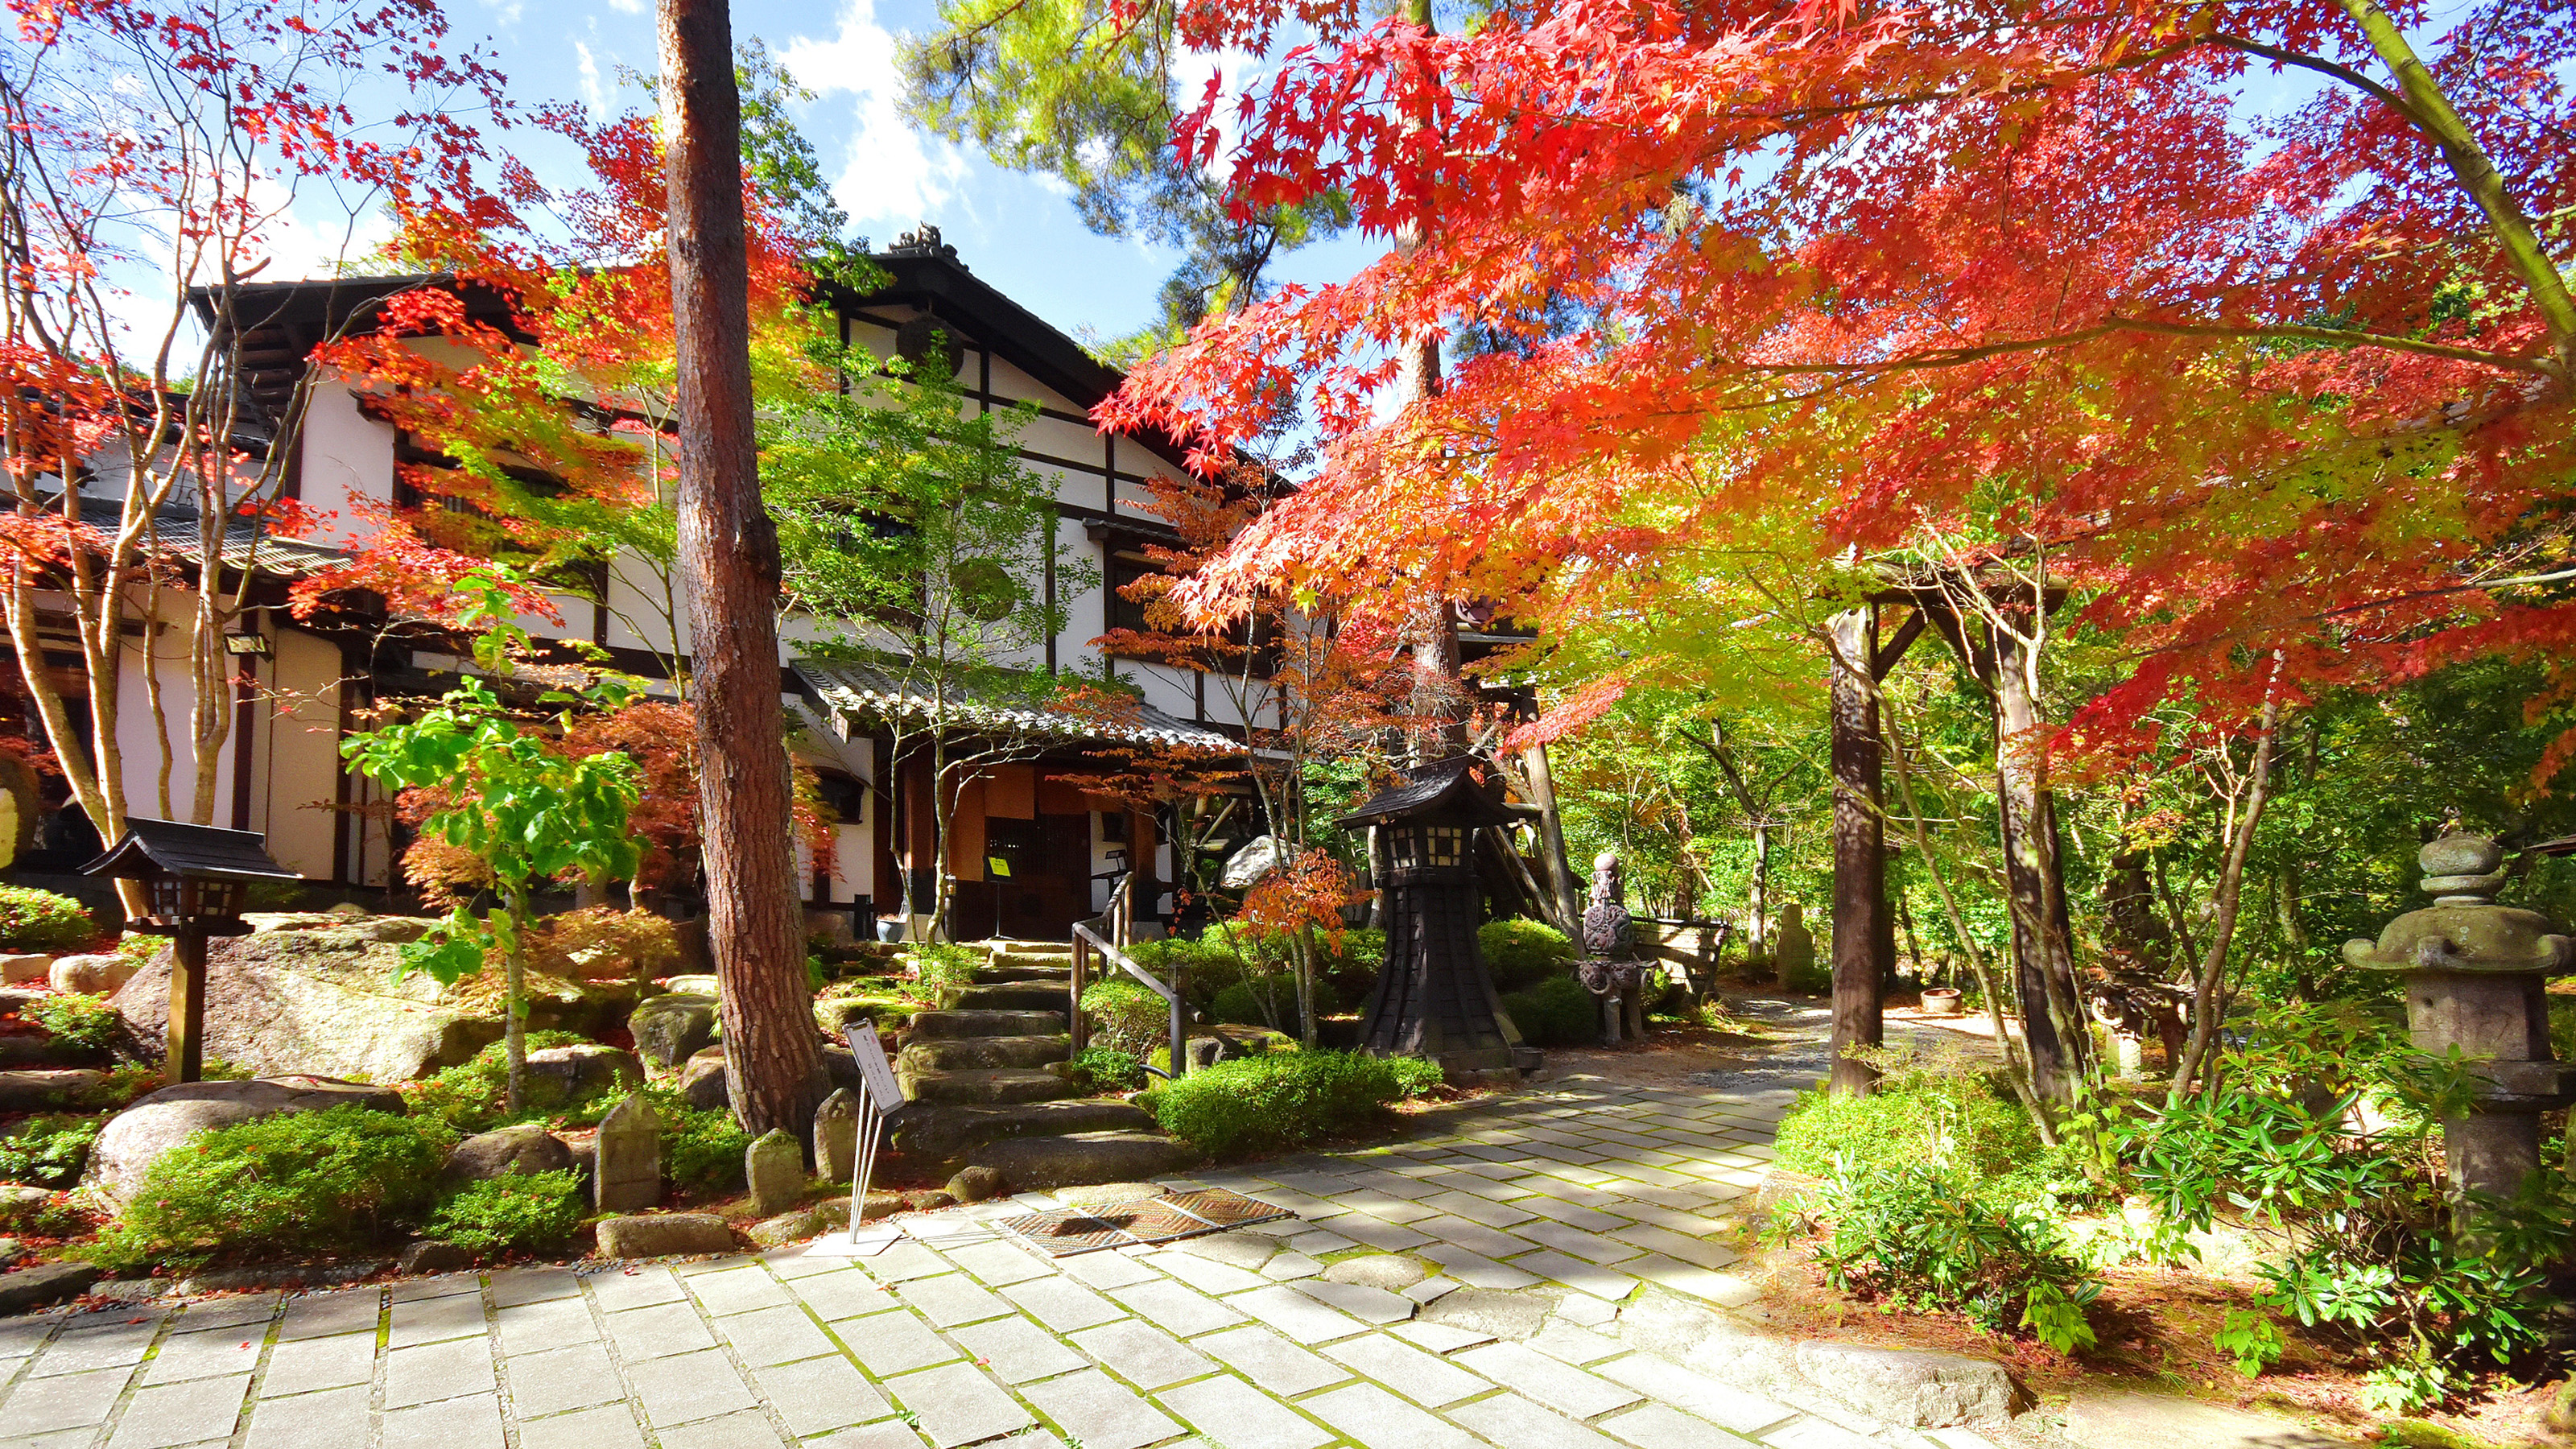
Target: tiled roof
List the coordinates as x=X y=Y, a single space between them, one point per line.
x=850 y=691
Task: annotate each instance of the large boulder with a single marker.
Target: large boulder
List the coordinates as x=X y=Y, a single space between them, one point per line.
x=564 y=1074
x=702 y=1081
x=95 y=975
x=671 y=1028
x=137 y=1136
x=525 y=1149
x=327 y=1001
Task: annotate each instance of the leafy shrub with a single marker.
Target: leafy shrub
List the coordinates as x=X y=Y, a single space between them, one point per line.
x=939 y=966
x=1127 y=1016
x=1555 y=1012
x=514 y=1210
x=34 y=921
x=474 y=1096
x=296 y=1180
x=48 y=1151
x=1207 y=964
x=76 y=1020
x=701 y=1151
x=1929 y=1238
x=1521 y=954
x=1271 y=1001
x=603 y=943
x=1105 y=1069
x=1264 y=1103
x=1941 y=1112
x=2376 y=1258
x=1352 y=964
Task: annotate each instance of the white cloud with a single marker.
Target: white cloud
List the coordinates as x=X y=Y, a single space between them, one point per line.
x=890 y=172
x=627 y=7
x=590 y=87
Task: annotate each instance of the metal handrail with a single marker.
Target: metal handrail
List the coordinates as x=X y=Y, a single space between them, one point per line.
x=1088 y=942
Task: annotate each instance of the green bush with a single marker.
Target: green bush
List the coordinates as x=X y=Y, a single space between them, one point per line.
x=1282 y=1100
x=1942 y=1113
x=1271 y=1001
x=1207 y=965
x=1928 y=1237
x=701 y=1151
x=76 y=1020
x=1353 y=965
x=938 y=966
x=1127 y=1016
x=1555 y=1012
x=474 y=1096
x=1106 y=1069
x=514 y=1210
x=1521 y=954
x=47 y=1151
x=298 y=1180
x=34 y=921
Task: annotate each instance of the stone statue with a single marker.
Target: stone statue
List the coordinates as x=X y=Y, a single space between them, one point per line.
x=1793 y=949
x=1609 y=969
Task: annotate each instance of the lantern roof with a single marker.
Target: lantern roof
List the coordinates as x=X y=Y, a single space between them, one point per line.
x=200 y=852
x=1446 y=790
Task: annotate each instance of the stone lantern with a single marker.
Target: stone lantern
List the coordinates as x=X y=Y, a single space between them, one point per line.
x=1434 y=998
x=2476 y=978
x=196 y=879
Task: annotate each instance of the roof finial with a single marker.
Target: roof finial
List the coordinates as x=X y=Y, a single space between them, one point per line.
x=922 y=241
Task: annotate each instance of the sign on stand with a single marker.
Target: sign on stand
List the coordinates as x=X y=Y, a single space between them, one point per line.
x=880 y=1096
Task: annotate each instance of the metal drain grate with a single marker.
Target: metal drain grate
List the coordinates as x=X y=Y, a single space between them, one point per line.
x=1063 y=1232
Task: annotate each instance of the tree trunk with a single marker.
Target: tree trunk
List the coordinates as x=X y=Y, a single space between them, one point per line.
x=2208 y=1000
x=514 y=999
x=1560 y=866
x=1758 y=947
x=2052 y=1012
x=1863 y=942
x=728 y=555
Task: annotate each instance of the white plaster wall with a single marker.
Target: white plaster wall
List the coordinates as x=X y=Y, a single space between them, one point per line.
x=348 y=458
x=300 y=735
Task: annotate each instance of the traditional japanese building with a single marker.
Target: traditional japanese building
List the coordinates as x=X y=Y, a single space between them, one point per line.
x=1031 y=848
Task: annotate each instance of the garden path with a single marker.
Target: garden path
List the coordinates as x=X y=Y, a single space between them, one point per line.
x=1569 y=1227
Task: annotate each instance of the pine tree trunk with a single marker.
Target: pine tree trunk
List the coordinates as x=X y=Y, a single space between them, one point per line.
x=1862 y=942
x=728 y=555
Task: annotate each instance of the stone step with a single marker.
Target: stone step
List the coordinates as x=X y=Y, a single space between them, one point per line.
x=1016 y=996
x=959 y=1054
x=1060 y=971
x=953 y=1024
x=987 y=1086
x=944 y=1132
x=1036 y=1164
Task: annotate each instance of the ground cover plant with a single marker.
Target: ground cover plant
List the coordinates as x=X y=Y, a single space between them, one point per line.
x=522 y=1211
x=47 y=1151
x=41 y=922
x=297 y=1181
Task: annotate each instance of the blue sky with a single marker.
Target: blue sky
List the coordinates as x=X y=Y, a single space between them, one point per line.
x=1018 y=232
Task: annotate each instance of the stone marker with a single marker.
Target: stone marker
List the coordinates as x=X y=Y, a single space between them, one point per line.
x=18 y=970
x=775 y=1166
x=629 y=1174
x=1793 y=948
x=836 y=1137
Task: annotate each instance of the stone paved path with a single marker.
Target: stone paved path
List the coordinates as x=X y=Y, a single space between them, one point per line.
x=1595 y=1202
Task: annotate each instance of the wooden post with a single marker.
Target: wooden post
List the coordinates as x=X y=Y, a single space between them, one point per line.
x=1862 y=939
x=187 y=1040
x=729 y=568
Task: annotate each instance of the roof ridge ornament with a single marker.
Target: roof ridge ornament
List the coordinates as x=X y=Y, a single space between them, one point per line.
x=923 y=241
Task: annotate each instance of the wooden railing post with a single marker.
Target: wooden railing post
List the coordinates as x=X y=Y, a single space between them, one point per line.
x=1074 y=1025
x=1180 y=1021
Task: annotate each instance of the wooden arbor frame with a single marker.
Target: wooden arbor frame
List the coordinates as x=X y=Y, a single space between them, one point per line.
x=1864 y=940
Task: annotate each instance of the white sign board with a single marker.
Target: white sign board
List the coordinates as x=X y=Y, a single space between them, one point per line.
x=884 y=1092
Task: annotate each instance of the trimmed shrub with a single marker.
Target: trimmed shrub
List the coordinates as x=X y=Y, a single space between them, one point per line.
x=1354 y=964
x=1271 y=1001
x=34 y=921
x=1106 y=1069
x=1265 y=1103
x=474 y=1096
x=47 y=1151
x=1208 y=964
x=603 y=943
x=1555 y=1012
x=1943 y=1114
x=1522 y=953
x=514 y=1210
x=701 y=1151
x=297 y=1180
x=76 y=1020
x=1127 y=1016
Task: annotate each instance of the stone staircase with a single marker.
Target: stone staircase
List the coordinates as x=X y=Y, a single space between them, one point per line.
x=984 y=1073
